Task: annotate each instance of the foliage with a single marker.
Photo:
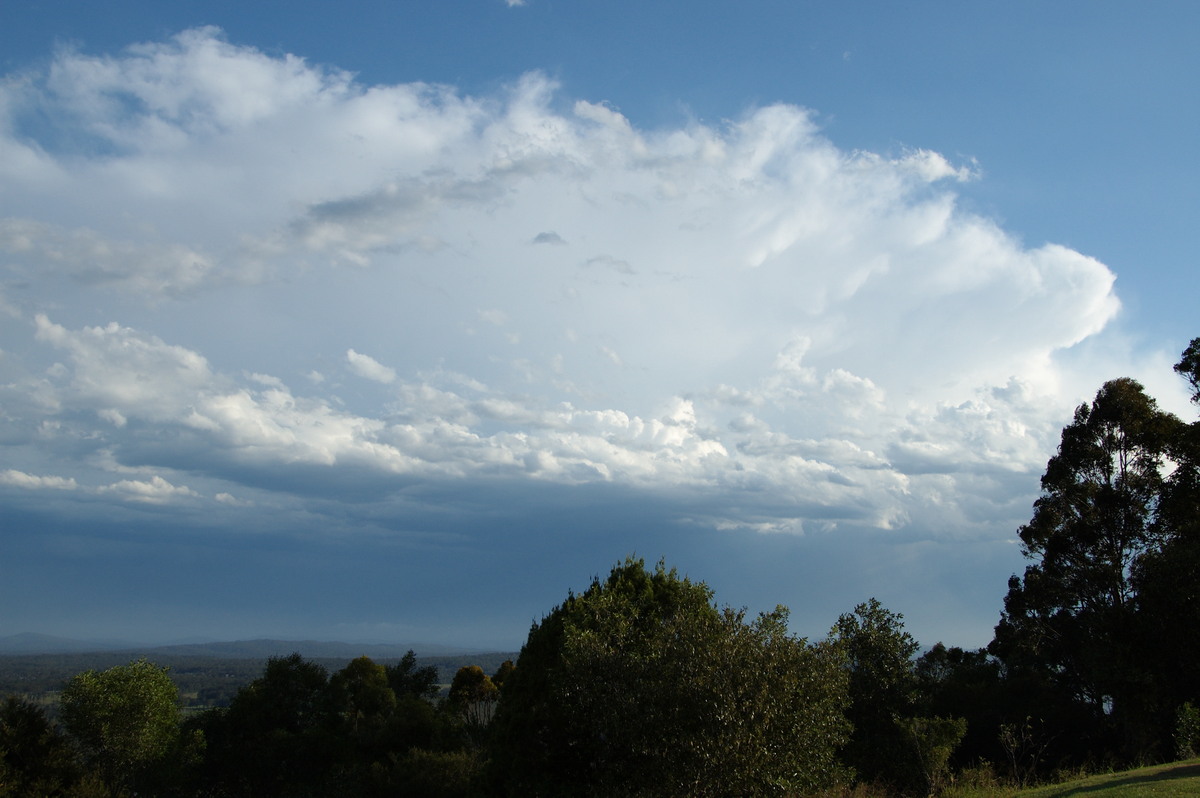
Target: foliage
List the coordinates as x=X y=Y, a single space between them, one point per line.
x=882 y=690
x=428 y=774
x=473 y=695
x=1071 y=618
x=405 y=678
x=361 y=695
x=502 y=673
x=35 y=759
x=1025 y=746
x=953 y=682
x=126 y=719
x=1187 y=731
x=933 y=740
x=296 y=731
x=1188 y=367
x=276 y=736
x=641 y=686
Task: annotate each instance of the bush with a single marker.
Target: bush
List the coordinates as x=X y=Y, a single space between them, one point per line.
x=1187 y=731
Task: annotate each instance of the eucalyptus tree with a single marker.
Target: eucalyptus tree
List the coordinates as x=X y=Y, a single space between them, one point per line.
x=1072 y=618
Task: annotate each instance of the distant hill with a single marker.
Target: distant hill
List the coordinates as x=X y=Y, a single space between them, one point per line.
x=22 y=644
x=311 y=649
x=48 y=644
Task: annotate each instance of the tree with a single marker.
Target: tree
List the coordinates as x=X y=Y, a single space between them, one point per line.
x=932 y=741
x=35 y=759
x=405 y=678
x=882 y=690
x=1071 y=618
x=952 y=682
x=473 y=695
x=502 y=673
x=1188 y=367
x=641 y=686
x=361 y=694
x=278 y=735
x=125 y=719
x=1168 y=580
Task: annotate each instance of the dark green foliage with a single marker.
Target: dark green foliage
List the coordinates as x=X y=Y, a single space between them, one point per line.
x=1071 y=619
x=421 y=773
x=1187 y=731
x=1091 y=637
x=405 y=678
x=932 y=741
x=296 y=731
x=640 y=686
x=502 y=673
x=276 y=736
x=35 y=758
x=953 y=682
x=1188 y=367
x=882 y=691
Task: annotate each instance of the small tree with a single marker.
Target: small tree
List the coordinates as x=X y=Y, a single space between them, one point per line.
x=405 y=678
x=473 y=696
x=882 y=690
x=933 y=740
x=1024 y=744
x=1187 y=731
x=125 y=719
x=361 y=694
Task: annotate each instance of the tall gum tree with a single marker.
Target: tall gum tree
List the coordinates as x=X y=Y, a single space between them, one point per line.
x=1072 y=617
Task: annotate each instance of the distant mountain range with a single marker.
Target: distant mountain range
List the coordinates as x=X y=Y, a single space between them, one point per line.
x=241 y=649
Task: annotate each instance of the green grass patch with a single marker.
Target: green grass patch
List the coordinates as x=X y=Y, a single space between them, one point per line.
x=1176 y=780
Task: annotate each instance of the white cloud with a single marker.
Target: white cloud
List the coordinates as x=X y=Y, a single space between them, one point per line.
x=19 y=479
x=154 y=491
x=739 y=311
x=369 y=368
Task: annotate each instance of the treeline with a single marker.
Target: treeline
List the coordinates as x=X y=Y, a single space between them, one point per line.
x=643 y=685
x=204 y=680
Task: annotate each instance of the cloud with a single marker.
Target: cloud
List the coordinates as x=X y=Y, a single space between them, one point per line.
x=154 y=491
x=92 y=259
x=367 y=367
x=549 y=237
x=762 y=331
x=19 y=479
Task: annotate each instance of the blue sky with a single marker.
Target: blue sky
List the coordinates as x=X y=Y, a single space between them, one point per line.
x=396 y=321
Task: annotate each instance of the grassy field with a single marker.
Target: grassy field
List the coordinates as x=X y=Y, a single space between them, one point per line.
x=1176 y=780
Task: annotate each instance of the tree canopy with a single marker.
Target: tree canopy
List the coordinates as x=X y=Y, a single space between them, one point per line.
x=1116 y=556
x=642 y=686
x=126 y=718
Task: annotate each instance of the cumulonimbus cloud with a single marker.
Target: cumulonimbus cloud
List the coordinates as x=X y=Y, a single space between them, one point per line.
x=741 y=308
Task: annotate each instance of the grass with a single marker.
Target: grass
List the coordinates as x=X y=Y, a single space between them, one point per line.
x=1175 y=780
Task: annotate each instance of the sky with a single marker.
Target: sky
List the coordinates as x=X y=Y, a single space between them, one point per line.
x=398 y=321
